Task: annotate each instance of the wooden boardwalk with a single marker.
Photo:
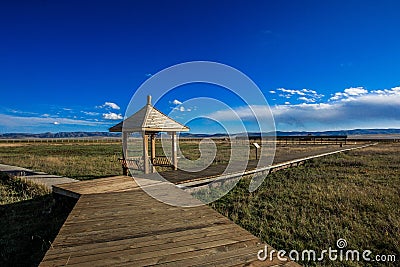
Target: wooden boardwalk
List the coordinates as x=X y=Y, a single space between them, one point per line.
x=114 y=222
x=281 y=160
x=129 y=228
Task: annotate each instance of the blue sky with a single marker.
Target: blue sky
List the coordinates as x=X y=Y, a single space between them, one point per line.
x=322 y=65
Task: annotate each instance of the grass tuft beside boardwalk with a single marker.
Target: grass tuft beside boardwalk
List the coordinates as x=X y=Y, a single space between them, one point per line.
x=29 y=221
x=354 y=196
x=16 y=189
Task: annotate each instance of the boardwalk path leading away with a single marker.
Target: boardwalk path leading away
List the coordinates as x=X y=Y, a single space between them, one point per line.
x=282 y=159
x=116 y=223
x=130 y=228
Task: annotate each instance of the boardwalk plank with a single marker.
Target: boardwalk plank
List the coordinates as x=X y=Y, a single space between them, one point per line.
x=154 y=252
x=141 y=241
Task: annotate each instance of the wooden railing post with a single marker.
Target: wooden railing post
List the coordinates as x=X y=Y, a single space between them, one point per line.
x=174 y=151
x=145 y=153
x=153 y=151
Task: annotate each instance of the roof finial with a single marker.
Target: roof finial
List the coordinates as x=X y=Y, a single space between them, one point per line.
x=149 y=100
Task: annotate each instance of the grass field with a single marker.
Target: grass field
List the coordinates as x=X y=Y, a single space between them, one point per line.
x=84 y=161
x=353 y=195
x=74 y=160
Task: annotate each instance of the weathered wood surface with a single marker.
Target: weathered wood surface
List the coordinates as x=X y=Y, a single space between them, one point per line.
x=132 y=229
x=102 y=185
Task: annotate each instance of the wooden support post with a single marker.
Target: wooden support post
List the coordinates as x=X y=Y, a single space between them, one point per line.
x=125 y=144
x=124 y=164
x=153 y=151
x=174 y=151
x=146 y=152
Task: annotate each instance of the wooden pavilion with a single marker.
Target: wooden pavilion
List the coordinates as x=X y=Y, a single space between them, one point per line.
x=149 y=122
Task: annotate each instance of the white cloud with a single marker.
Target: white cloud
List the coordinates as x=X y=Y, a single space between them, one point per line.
x=337 y=96
x=350 y=93
x=272 y=92
x=366 y=110
x=380 y=108
x=22 y=112
x=354 y=91
x=309 y=91
x=245 y=113
x=379 y=92
x=285 y=96
x=396 y=90
x=112 y=116
x=90 y=113
x=308 y=100
x=12 y=123
x=393 y=91
x=291 y=91
x=303 y=94
x=109 y=105
x=176 y=102
x=181 y=109
x=287 y=103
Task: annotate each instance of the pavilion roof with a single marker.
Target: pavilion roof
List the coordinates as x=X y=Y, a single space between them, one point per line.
x=149 y=119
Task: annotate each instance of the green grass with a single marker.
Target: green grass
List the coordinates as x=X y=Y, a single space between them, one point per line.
x=78 y=161
x=354 y=196
x=30 y=220
x=85 y=161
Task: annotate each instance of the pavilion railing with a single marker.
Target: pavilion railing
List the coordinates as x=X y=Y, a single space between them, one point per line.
x=137 y=163
x=162 y=161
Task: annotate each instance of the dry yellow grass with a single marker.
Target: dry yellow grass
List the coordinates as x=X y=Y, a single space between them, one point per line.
x=353 y=195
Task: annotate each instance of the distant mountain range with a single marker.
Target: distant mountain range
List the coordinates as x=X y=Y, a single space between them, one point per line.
x=190 y=135
x=304 y=133
x=346 y=132
x=58 y=135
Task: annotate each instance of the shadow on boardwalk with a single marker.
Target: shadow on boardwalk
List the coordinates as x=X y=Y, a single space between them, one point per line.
x=28 y=228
